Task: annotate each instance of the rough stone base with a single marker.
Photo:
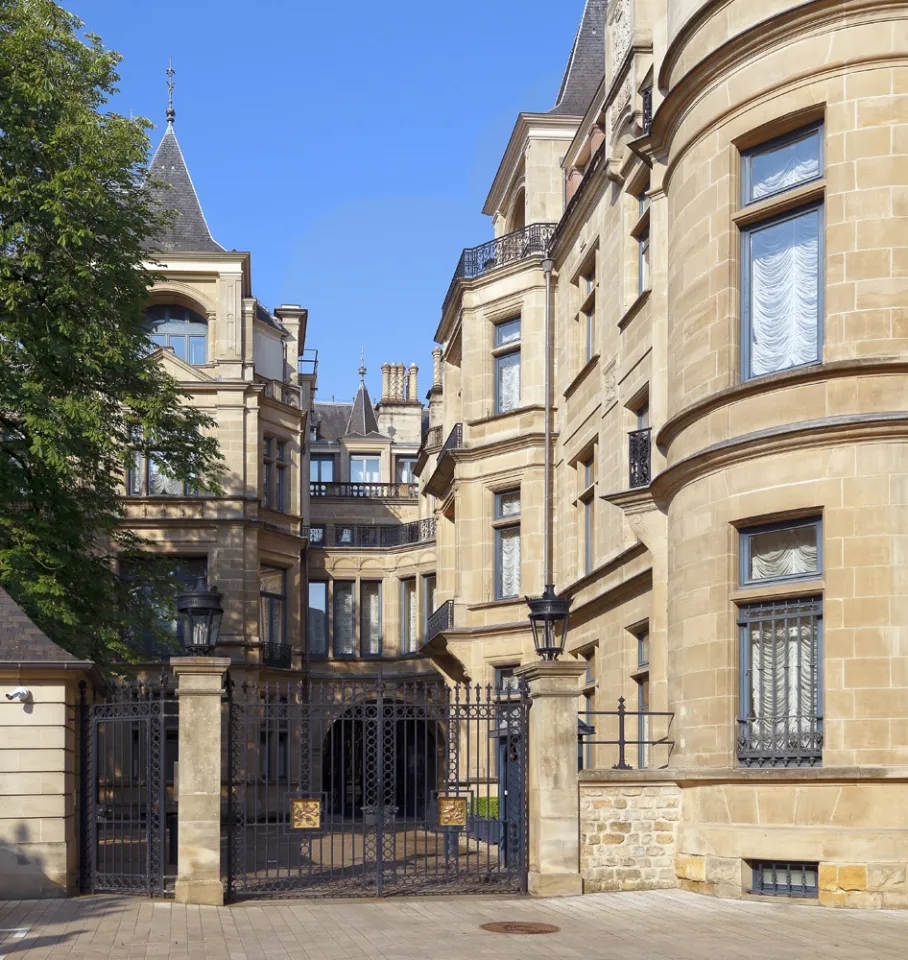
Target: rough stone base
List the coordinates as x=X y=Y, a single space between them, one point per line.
x=627 y=836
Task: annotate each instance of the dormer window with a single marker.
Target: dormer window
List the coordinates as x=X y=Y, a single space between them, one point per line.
x=181 y=329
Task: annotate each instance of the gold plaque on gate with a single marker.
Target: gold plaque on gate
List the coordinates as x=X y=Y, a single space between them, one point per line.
x=452 y=811
x=305 y=814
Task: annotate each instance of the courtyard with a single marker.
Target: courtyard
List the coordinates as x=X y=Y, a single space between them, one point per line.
x=658 y=925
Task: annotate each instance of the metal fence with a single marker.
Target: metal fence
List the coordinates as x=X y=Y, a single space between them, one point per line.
x=646 y=750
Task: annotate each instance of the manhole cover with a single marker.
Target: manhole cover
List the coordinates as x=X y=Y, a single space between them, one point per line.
x=525 y=929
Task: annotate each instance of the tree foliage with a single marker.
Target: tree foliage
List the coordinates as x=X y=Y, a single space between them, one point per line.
x=76 y=386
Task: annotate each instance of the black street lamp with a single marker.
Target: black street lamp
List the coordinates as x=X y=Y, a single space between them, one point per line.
x=201 y=610
x=549 y=616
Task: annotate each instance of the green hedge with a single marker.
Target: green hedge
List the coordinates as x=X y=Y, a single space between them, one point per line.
x=486 y=808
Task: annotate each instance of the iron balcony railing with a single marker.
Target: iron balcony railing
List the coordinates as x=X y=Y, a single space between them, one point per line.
x=616 y=721
x=789 y=741
x=433 y=437
x=442 y=619
x=647 y=96
x=277 y=655
x=307 y=364
x=475 y=261
x=366 y=491
x=361 y=535
x=640 y=444
x=454 y=441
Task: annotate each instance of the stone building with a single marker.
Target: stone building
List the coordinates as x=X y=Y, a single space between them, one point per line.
x=246 y=367
x=721 y=188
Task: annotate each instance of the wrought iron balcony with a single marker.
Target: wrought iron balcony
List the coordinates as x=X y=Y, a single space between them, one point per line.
x=277 y=655
x=442 y=619
x=454 y=441
x=640 y=444
x=647 y=96
x=475 y=261
x=307 y=364
x=788 y=741
x=361 y=535
x=365 y=491
x=433 y=437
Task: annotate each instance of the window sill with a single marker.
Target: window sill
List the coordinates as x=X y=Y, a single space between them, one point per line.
x=634 y=309
x=499 y=602
x=494 y=417
x=777 y=591
x=581 y=375
x=782 y=203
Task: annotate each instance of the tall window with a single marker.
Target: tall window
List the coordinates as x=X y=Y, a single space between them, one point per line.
x=588 y=312
x=782 y=258
x=587 y=472
x=317 y=623
x=344 y=619
x=428 y=603
x=321 y=471
x=507 y=366
x=781 y=648
x=180 y=328
x=641 y=234
x=365 y=470
x=641 y=679
x=507 y=544
x=507 y=683
x=370 y=627
x=273 y=590
x=404 y=470
x=146 y=478
x=274 y=474
x=408 y=623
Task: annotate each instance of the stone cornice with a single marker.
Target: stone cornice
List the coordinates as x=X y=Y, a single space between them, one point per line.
x=855 y=428
x=484 y=450
x=894 y=366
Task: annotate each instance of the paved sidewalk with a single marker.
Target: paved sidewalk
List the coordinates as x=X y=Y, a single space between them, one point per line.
x=662 y=925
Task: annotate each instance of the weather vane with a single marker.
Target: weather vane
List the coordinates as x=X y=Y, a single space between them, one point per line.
x=171 y=113
x=362 y=363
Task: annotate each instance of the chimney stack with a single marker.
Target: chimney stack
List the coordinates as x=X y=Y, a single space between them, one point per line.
x=385 y=380
x=412 y=383
x=436 y=367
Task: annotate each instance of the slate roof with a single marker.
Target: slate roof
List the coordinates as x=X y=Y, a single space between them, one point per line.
x=21 y=640
x=331 y=419
x=267 y=317
x=362 y=420
x=586 y=65
x=189 y=230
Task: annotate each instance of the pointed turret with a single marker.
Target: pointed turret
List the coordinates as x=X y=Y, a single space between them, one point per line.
x=586 y=65
x=362 y=420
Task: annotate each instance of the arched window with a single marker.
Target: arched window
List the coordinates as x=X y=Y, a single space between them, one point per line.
x=180 y=328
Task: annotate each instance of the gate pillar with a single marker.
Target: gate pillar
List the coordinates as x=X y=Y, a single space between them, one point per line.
x=200 y=682
x=554 y=812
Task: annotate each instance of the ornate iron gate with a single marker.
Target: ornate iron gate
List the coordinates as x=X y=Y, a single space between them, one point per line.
x=128 y=757
x=375 y=788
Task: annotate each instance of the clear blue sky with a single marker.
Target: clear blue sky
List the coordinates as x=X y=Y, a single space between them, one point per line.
x=349 y=145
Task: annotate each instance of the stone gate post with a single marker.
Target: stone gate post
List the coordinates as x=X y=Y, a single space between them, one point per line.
x=200 y=681
x=554 y=813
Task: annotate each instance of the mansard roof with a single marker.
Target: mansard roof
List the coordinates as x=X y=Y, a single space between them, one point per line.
x=189 y=231
x=586 y=65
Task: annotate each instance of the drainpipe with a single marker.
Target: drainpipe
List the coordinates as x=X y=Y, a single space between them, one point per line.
x=547 y=265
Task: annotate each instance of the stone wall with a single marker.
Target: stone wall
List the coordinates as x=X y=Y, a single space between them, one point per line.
x=627 y=835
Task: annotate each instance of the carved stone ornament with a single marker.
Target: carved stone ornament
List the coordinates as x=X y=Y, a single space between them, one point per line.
x=452 y=811
x=305 y=814
x=620 y=104
x=621 y=32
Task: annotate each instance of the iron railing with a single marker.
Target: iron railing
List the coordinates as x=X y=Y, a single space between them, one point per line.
x=277 y=655
x=596 y=161
x=442 y=619
x=454 y=441
x=644 y=742
x=366 y=491
x=307 y=364
x=647 y=96
x=475 y=261
x=433 y=437
x=640 y=444
x=375 y=535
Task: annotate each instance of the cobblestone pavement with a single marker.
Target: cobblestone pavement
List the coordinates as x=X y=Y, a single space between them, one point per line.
x=662 y=925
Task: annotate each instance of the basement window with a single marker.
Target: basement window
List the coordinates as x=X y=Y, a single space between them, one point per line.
x=785 y=879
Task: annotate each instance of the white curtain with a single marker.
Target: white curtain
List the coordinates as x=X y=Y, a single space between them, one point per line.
x=371 y=622
x=783 y=677
x=508 y=382
x=783 y=553
x=509 y=561
x=409 y=616
x=785 y=291
x=134 y=475
x=786 y=167
x=344 y=634
x=158 y=484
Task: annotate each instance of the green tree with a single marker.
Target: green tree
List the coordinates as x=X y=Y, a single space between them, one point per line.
x=76 y=387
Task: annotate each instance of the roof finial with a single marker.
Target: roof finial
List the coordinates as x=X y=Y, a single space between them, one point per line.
x=171 y=113
x=362 y=365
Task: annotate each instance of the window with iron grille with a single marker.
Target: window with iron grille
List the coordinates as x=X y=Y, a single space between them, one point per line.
x=780 y=722
x=785 y=879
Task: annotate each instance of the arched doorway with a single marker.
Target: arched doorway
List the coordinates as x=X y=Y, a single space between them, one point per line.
x=409 y=759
